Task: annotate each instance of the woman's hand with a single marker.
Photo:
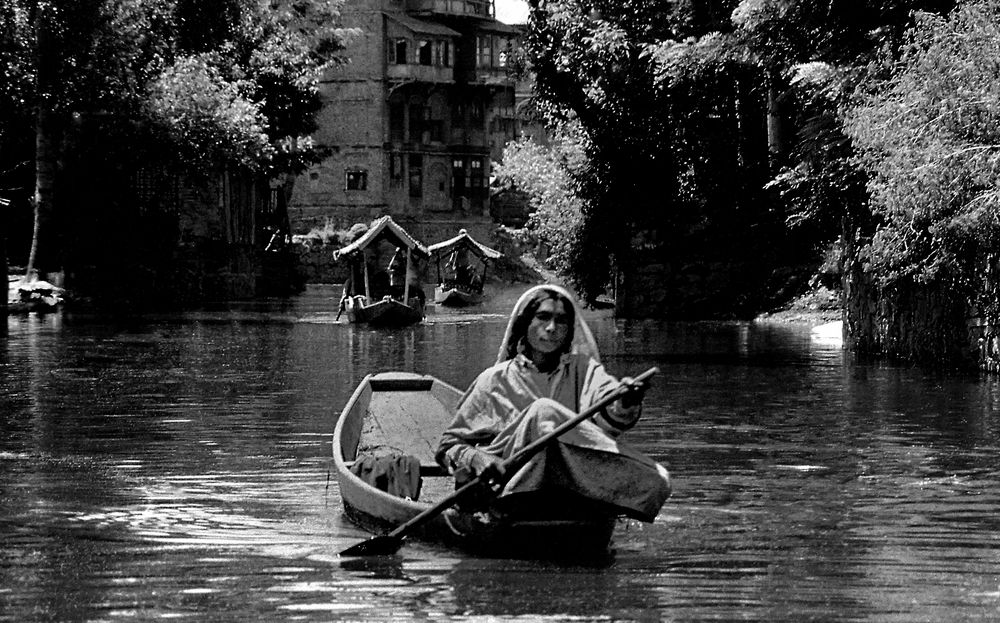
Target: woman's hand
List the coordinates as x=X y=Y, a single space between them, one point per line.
x=635 y=392
x=481 y=463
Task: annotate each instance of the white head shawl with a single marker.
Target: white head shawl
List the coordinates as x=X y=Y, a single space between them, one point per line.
x=583 y=339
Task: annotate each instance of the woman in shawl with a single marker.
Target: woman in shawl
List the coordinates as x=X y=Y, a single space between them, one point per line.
x=547 y=370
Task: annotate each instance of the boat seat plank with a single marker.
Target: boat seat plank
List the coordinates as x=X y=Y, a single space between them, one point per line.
x=401 y=384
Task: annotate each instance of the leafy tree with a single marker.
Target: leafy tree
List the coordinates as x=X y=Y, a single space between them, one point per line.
x=223 y=83
x=207 y=117
x=589 y=69
x=813 y=56
x=712 y=146
x=548 y=174
x=670 y=120
x=928 y=137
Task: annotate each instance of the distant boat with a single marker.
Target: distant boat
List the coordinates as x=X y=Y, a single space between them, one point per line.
x=399 y=416
x=464 y=286
x=371 y=298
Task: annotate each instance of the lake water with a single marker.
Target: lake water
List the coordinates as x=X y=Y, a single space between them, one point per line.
x=176 y=467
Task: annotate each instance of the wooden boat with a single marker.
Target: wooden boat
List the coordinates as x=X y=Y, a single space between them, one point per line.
x=465 y=287
x=398 y=413
x=456 y=297
x=387 y=312
x=370 y=300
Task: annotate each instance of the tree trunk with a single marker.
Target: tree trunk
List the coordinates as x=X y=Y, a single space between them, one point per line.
x=775 y=122
x=3 y=265
x=42 y=259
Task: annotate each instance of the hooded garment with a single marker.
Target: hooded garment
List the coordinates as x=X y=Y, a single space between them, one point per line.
x=511 y=404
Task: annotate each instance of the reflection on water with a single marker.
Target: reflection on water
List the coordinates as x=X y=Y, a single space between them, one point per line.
x=176 y=466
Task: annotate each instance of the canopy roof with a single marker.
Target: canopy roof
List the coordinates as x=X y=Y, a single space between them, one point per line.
x=464 y=239
x=383 y=228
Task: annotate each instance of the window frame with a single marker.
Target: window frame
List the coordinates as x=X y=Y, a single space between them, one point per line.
x=400 y=51
x=415 y=175
x=484 y=50
x=424 y=52
x=355 y=179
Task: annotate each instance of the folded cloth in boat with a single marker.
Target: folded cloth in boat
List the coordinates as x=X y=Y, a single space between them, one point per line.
x=397 y=474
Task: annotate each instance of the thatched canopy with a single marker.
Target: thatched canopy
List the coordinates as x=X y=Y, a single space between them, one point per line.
x=463 y=239
x=383 y=228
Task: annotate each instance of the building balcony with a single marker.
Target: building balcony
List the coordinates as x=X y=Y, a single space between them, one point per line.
x=490 y=76
x=436 y=148
x=420 y=73
x=471 y=8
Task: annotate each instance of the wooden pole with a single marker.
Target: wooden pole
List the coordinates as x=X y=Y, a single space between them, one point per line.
x=368 y=288
x=406 y=278
x=3 y=265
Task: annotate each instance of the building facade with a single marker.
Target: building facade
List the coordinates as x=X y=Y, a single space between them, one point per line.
x=415 y=118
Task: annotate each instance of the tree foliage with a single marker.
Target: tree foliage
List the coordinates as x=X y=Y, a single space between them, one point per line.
x=819 y=52
x=190 y=85
x=237 y=79
x=548 y=175
x=928 y=136
x=657 y=96
x=232 y=80
x=209 y=118
x=712 y=130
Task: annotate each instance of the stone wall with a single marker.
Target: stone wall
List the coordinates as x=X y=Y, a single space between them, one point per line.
x=315 y=263
x=983 y=324
x=911 y=324
x=924 y=325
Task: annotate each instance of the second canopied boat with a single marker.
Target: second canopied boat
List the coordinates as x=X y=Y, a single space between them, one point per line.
x=462 y=281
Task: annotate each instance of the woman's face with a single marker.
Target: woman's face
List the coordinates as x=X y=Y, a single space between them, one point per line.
x=548 y=328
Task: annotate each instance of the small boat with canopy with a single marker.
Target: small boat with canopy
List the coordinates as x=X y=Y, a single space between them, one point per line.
x=383 y=296
x=460 y=284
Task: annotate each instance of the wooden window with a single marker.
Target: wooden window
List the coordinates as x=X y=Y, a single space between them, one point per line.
x=435 y=128
x=397 y=123
x=477 y=114
x=356 y=179
x=442 y=53
x=484 y=58
x=416 y=166
x=476 y=173
x=425 y=52
x=396 y=168
x=400 y=49
x=417 y=116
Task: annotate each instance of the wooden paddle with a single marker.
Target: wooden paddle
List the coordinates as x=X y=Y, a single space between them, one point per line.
x=390 y=543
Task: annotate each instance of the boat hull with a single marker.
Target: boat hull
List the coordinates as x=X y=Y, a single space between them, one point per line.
x=454 y=297
x=387 y=312
x=407 y=412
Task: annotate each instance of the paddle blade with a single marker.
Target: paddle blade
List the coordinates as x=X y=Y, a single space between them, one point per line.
x=385 y=545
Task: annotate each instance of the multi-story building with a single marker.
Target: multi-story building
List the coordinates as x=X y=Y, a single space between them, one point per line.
x=414 y=119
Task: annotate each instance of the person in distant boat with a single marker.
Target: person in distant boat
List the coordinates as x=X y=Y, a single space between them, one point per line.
x=547 y=370
x=397 y=273
x=460 y=266
x=400 y=273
